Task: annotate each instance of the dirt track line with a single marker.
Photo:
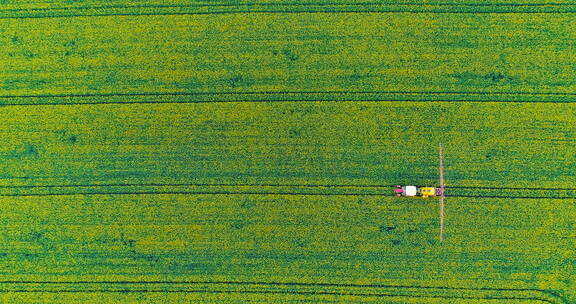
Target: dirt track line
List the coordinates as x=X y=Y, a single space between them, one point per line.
x=278 y=292
x=44 y=9
x=512 y=197
x=200 y=185
x=269 y=185
x=552 y=294
x=276 y=101
x=288 y=93
x=259 y=193
x=511 y=188
x=571 y=10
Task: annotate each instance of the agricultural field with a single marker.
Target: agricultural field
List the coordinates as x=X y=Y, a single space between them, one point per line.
x=247 y=151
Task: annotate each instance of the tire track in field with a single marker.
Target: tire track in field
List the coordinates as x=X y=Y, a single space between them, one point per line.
x=284 y=8
x=278 y=101
x=273 y=101
x=360 y=290
x=267 y=189
x=200 y=184
x=336 y=92
x=271 y=185
x=383 y=11
x=265 y=193
x=293 y=4
x=512 y=197
x=304 y=293
x=284 y=96
x=511 y=188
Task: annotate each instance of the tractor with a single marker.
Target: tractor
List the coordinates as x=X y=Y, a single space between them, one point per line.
x=418 y=191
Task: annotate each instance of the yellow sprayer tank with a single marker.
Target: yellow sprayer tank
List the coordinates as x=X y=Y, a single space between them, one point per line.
x=428 y=191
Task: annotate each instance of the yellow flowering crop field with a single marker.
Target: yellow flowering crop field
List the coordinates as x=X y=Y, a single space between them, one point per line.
x=247 y=151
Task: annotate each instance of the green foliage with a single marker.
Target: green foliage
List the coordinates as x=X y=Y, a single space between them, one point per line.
x=213 y=142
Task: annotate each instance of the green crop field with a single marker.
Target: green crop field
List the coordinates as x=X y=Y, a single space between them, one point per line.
x=247 y=151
